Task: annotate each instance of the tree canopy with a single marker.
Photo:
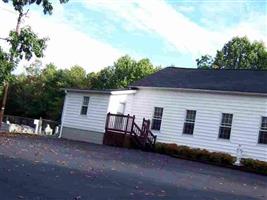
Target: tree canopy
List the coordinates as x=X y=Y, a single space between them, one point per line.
x=43 y=85
x=5 y=66
x=23 y=42
x=124 y=71
x=26 y=44
x=45 y=4
x=238 y=53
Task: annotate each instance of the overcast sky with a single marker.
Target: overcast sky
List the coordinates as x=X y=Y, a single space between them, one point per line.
x=94 y=33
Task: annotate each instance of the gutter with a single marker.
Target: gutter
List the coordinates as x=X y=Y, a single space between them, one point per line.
x=201 y=90
x=109 y=92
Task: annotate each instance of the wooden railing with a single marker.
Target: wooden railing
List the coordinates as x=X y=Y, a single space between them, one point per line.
x=125 y=124
x=119 y=123
x=152 y=138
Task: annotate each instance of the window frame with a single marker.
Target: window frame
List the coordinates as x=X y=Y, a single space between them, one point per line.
x=85 y=104
x=157 y=118
x=262 y=130
x=225 y=125
x=189 y=121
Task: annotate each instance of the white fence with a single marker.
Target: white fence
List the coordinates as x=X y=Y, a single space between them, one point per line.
x=28 y=125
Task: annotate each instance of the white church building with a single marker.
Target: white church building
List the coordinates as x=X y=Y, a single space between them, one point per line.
x=211 y=109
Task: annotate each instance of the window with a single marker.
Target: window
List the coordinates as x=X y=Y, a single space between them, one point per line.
x=263 y=131
x=189 y=122
x=84 y=108
x=157 y=117
x=226 y=126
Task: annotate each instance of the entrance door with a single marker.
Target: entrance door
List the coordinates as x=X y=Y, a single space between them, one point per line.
x=121 y=109
x=119 y=120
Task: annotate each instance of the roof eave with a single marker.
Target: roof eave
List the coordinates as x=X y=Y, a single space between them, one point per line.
x=108 y=92
x=202 y=91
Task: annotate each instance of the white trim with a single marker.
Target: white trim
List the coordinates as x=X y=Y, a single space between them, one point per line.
x=123 y=92
x=155 y=118
x=203 y=91
x=104 y=92
x=261 y=129
x=62 y=116
x=190 y=122
x=226 y=126
x=84 y=105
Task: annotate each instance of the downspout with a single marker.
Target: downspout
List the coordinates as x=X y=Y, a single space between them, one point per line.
x=62 y=115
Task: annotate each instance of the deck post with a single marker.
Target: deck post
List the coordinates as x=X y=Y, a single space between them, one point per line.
x=107 y=122
x=132 y=125
x=125 y=131
x=148 y=126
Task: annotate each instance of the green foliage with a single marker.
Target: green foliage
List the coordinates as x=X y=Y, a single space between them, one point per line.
x=195 y=154
x=238 y=53
x=38 y=92
x=255 y=165
x=211 y=157
x=5 y=67
x=75 y=77
x=25 y=44
x=44 y=89
x=46 y=4
x=205 y=62
x=124 y=72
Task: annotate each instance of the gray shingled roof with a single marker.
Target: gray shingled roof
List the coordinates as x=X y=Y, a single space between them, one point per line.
x=249 y=81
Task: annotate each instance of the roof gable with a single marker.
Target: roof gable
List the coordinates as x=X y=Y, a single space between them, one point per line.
x=248 y=81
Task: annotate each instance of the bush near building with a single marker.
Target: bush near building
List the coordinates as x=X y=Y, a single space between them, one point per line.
x=217 y=158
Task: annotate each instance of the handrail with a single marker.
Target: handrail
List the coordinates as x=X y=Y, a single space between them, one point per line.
x=153 y=136
x=137 y=127
x=120 y=115
x=150 y=132
x=125 y=124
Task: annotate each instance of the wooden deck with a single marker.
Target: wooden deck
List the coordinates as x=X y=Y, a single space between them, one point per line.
x=122 y=129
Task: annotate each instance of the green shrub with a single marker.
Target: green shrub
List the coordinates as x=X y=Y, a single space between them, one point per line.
x=255 y=165
x=211 y=157
x=221 y=158
x=195 y=154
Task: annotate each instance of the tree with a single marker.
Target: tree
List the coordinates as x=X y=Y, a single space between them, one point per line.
x=5 y=66
x=124 y=72
x=24 y=43
x=75 y=77
x=205 y=62
x=43 y=86
x=238 y=53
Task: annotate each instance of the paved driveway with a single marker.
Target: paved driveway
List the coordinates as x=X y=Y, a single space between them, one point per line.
x=43 y=168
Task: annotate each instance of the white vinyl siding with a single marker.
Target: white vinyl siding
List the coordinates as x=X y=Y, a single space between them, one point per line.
x=247 y=112
x=97 y=111
x=98 y=107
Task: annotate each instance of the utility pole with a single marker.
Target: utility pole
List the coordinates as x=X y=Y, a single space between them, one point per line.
x=3 y=103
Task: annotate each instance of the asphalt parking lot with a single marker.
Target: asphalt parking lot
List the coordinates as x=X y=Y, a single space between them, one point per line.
x=47 y=168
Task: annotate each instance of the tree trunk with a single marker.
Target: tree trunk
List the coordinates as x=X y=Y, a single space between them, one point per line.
x=2 y=111
x=19 y=22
